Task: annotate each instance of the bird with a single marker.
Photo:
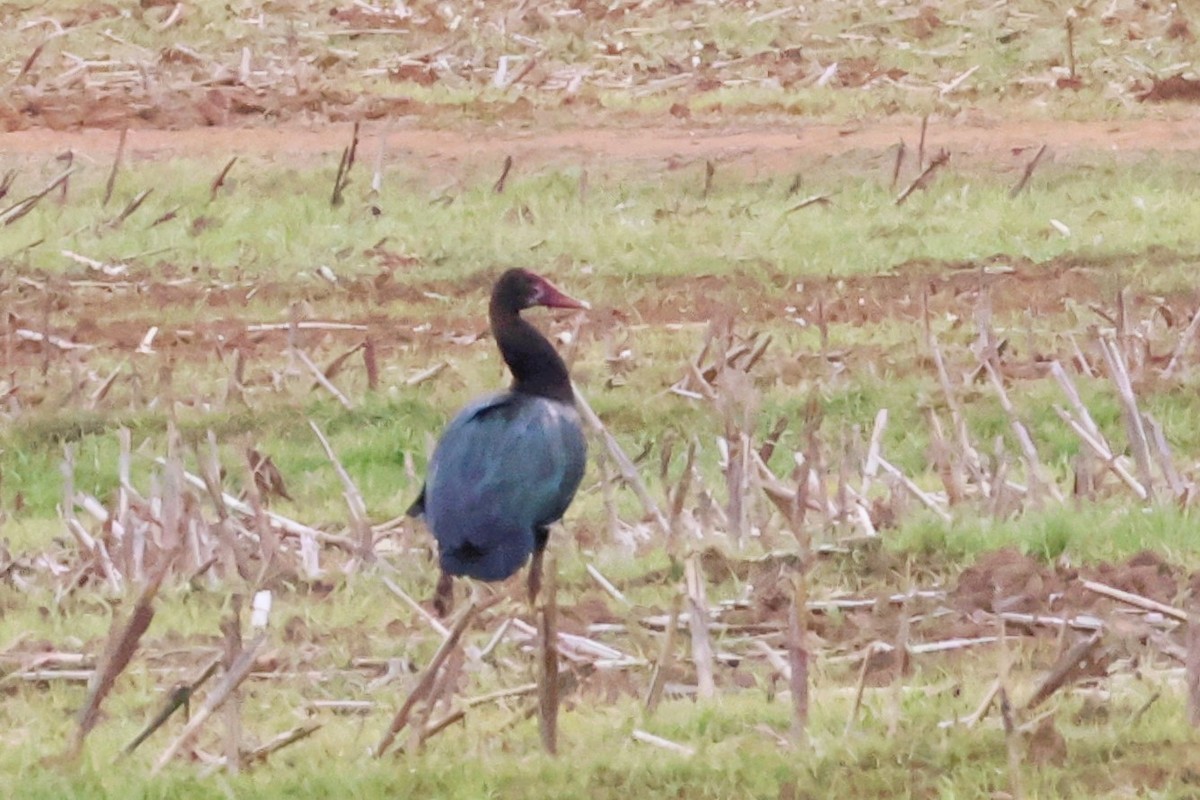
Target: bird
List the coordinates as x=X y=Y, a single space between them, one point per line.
x=507 y=466
x=267 y=477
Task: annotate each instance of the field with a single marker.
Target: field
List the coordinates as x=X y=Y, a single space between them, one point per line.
x=892 y=355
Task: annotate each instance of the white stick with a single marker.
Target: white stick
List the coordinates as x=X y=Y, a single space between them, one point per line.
x=916 y=491
x=321 y=379
x=288 y=525
x=1181 y=347
x=665 y=744
x=305 y=326
x=354 y=498
x=1136 y=600
x=607 y=585
x=625 y=466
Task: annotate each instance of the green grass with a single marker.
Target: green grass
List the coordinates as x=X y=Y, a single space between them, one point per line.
x=737 y=756
x=276 y=222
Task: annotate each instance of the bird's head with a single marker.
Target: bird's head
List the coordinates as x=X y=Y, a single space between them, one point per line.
x=519 y=289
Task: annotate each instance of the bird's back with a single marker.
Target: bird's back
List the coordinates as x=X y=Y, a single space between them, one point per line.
x=504 y=467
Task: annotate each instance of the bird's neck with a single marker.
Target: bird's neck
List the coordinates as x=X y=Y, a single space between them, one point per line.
x=536 y=366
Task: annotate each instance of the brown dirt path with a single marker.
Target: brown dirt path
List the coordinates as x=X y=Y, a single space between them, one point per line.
x=776 y=143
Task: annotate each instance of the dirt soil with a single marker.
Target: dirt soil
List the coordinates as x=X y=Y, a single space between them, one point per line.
x=770 y=146
x=908 y=293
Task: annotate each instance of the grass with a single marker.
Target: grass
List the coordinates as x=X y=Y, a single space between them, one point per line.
x=737 y=756
x=631 y=227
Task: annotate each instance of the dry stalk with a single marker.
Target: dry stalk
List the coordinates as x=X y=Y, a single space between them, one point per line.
x=354 y=500
x=228 y=551
x=287 y=524
x=116 y=165
x=1100 y=447
x=130 y=207
x=702 y=653
x=871 y=465
x=498 y=186
x=901 y=152
x=1080 y=622
x=33 y=57
x=1192 y=666
x=1136 y=600
x=377 y=173
x=921 y=142
x=665 y=744
x=625 y=467
x=943 y=461
x=237 y=673
x=1166 y=462
x=430 y=619
x=609 y=495
x=767 y=448
x=1033 y=464
x=548 y=673
x=370 y=364
x=812 y=200
x=304 y=325
x=861 y=685
x=425 y=683
x=1028 y=173
x=710 y=170
x=119 y=649
x=1087 y=430
x=968 y=452
x=678 y=495
x=1136 y=431
x=325 y=383
x=924 y=497
x=446 y=678
x=105 y=386
x=607 y=585
x=342 y=179
x=263 y=752
x=24 y=206
x=179 y=697
x=923 y=179
x=666 y=657
x=231 y=628
x=1140 y=711
x=219 y=181
x=798 y=655
x=985 y=703
x=903 y=656
x=336 y=365
x=1012 y=739
x=1061 y=671
x=417 y=378
x=1181 y=347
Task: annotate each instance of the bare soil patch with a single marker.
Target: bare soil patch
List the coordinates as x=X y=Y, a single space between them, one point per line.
x=115 y=314
x=770 y=146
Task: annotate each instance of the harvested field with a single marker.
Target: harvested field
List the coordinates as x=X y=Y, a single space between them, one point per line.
x=891 y=352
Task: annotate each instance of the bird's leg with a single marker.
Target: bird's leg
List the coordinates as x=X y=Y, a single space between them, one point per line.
x=535 y=574
x=541 y=536
x=443 y=595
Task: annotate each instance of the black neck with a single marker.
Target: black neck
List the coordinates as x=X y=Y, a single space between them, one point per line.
x=536 y=366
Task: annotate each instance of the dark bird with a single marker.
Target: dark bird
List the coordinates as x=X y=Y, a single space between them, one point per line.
x=508 y=465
